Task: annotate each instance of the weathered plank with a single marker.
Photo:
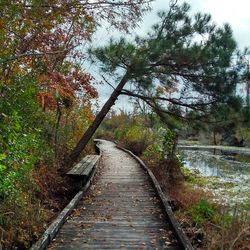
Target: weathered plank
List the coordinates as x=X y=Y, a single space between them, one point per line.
x=85 y=166
x=120 y=211
x=78 y=166
x=182 y=238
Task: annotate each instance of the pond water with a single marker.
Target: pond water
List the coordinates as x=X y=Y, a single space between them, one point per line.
x=227 y=173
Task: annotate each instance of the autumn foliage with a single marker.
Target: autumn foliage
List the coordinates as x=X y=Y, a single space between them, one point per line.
x=47 y=101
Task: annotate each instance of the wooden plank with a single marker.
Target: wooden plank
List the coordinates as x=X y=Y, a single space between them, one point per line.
x=120 y=211
x=54 y=227
x=77 y=166
x=86 y=171
x=85 y=166
x=181 y=236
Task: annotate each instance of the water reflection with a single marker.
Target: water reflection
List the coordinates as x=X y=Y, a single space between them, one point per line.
x=214 y=163
x=201 y=161
x=222 y=165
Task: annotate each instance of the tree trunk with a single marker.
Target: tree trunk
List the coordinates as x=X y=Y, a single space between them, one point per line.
x=247 y=103
x=58 y=119
x=99 y=118
x=214 y=136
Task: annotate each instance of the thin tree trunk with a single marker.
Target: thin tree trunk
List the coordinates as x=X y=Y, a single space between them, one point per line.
x=58 y=114
x=214 y=136
x=99 y=118
x=247 y=103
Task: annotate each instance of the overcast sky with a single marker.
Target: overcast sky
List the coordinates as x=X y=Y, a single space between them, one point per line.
x=234 y=12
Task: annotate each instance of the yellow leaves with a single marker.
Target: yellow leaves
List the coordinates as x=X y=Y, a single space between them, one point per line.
x=88 y=114
x=47 y=24
x=136 y=132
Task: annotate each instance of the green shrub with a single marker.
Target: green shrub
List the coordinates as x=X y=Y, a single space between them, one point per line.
x=137 y=138
x=201 y=212
x=153 y=153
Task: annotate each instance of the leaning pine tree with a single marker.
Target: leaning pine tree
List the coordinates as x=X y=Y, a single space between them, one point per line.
x=186 y=54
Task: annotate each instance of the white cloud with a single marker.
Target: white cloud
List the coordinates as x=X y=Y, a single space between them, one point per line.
x=236 y=13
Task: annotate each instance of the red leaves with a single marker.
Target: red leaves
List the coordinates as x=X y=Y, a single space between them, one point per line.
x=65 y=88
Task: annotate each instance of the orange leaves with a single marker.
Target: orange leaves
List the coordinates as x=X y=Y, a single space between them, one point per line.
x=46 y=100
x=88 y=112
x=66 y=89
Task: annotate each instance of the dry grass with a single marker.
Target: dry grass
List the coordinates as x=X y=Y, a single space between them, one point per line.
x=225 y=231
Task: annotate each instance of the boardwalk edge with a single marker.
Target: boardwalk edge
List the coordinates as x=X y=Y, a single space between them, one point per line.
x=54 y=227
x=181 y=236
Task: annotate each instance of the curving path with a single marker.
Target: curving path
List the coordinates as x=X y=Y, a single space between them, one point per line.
x=119 y=211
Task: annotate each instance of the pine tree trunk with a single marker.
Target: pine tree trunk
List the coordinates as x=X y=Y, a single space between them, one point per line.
x=99 y=118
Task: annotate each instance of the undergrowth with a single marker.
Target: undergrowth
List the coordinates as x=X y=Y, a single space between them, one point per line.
x=32 y=191
x=27 y=212
x=209 y=225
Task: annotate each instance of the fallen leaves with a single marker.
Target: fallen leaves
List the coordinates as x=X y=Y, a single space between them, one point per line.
x=153 y=241
x=76 y=213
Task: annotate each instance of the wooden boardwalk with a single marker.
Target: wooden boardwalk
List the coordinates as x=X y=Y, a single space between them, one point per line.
x=120 y=211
